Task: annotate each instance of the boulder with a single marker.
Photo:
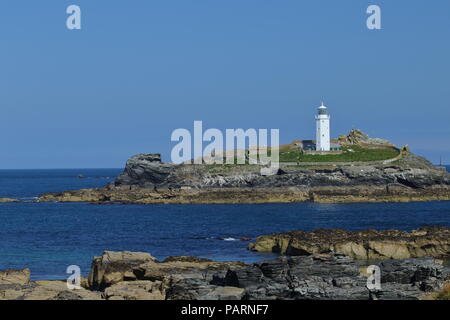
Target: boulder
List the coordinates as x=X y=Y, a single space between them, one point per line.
x=113 y=267
x=145 y=170
x=15 y=276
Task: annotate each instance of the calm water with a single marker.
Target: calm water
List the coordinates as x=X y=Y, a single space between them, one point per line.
x=49 y=237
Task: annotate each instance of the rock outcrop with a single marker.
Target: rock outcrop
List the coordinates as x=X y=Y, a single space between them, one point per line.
x=367 y=244
x=15 y=276
x=126 y=274
x=148 y=180
x=138 y=276
x=16 y=285
x=359 y=137
x=319 y=276
x=148 y=171
x=114 y=267
x=145 y=170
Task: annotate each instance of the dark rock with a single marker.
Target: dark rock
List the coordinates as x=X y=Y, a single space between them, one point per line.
x=145 y=170
x=148 y=170
x=313 y=277
x=410 y=271
x=67 y=295
x=186 y=259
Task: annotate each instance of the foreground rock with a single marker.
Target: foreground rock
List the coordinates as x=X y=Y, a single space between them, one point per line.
x=16 y=285
x=15 y=276
x=114 y=267
x=138 y=276
x=367 y=244
x=320 y=276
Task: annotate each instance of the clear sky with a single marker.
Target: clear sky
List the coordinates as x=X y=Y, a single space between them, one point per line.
x=140 y=69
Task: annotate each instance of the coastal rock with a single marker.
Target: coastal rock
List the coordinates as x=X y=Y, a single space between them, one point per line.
x=15 y=276
x=409 y=278
x=334 y=276
x=5 y=200
x=367 y=244
x=145 y=170
x=319 y=276
x=138 y=276
x=198 y=289
x=313 y=277
x=135 y=290
x=359 y=137
x=407 y=271
x=45 y=290
x=113 y=267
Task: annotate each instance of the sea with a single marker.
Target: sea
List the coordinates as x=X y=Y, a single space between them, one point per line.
x=49 y=237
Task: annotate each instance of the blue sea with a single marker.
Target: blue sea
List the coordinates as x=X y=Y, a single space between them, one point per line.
x=48 y=237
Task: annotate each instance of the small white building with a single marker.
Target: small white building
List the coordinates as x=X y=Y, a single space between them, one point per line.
x=322 y=129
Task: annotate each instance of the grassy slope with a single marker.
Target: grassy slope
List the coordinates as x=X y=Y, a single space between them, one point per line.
x=358 y=154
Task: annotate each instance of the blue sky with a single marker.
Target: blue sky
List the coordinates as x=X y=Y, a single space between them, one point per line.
x=140 y=69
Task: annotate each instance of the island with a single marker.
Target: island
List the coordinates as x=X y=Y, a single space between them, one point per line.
x=364 y=169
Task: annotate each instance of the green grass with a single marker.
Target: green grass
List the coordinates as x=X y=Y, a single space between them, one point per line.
x=358 y=154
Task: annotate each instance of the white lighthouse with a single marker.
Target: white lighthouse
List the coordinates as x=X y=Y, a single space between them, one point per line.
x=322 y=129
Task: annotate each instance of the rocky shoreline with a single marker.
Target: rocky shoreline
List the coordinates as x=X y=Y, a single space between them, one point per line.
x=363 y=245
x=321 y=265
x=148 y=180
x=139 y=276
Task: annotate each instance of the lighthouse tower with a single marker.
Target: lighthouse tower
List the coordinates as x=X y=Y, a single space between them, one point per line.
x=322 y=129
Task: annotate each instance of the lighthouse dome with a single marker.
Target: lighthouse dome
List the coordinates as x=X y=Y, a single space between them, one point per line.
x=322 y=109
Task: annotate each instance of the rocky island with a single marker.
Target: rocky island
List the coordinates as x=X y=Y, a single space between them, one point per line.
x=365 y=170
